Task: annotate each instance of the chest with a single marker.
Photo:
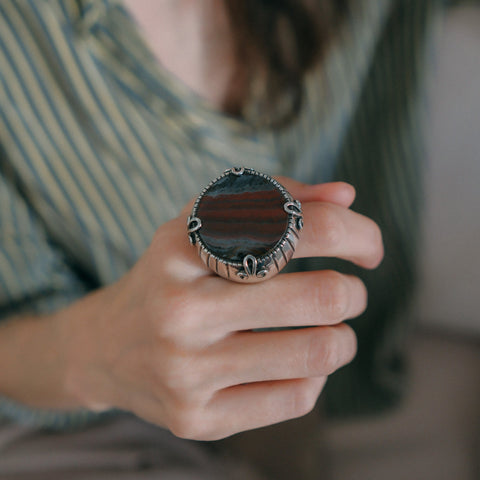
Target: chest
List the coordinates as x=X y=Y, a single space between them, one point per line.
x=113 y=152
x=193 y=41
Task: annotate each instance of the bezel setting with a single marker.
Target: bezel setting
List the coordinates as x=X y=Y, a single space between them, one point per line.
x=252 y=268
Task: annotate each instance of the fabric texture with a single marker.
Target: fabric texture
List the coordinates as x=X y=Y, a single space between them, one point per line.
x=99 y=145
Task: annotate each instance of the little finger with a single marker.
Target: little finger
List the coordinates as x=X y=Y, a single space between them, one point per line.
x=254 y=405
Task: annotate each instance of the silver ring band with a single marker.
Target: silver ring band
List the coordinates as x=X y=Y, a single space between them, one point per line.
x=245 y=225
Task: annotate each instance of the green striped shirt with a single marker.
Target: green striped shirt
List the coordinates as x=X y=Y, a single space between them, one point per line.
x=99 y=145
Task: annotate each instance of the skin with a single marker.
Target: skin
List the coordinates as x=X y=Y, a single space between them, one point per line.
x=191 y=40
x=172 y=343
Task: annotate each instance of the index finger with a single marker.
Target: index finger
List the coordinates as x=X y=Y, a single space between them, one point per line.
x=340 y=193
x=334 y=231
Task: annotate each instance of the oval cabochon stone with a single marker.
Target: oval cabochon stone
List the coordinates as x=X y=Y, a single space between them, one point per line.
x=242 y=215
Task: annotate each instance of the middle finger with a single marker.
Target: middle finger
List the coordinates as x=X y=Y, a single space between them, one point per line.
x=323 y=297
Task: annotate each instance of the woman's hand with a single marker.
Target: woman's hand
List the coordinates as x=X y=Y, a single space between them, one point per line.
x=173 y=343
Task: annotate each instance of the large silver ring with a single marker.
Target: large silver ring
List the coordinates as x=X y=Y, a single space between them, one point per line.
x=245 y=225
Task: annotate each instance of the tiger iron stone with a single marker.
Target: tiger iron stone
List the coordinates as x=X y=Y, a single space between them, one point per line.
x=242 y=215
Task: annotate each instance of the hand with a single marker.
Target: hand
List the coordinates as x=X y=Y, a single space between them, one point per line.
x=173 y=343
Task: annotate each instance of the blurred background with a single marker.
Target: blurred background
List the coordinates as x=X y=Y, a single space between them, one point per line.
x=436 y=433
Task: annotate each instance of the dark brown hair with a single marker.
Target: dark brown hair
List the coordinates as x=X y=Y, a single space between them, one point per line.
x=276 y=43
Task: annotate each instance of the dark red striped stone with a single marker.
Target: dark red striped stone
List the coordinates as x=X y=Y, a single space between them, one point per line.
x=242 y=215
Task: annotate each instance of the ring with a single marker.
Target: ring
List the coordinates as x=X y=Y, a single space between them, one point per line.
x=245 y=225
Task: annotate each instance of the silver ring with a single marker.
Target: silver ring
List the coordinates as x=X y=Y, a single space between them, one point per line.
x=245 y=225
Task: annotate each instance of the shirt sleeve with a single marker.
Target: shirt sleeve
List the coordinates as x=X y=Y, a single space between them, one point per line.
x=35 y=278
x=35 y=275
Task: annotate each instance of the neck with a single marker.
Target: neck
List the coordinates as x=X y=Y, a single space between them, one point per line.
x=192 y=40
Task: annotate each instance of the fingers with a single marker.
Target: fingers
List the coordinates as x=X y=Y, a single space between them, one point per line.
x=255 y=405
x=340 y=193
x=244 y=407
x=290 y=300
x=334 y=231
x=248 y=357
x=330 y=231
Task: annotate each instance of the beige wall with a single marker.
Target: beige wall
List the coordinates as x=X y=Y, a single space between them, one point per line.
x=450 y=262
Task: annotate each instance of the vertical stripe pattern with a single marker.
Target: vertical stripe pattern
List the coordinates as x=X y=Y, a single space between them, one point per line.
x=99 y=146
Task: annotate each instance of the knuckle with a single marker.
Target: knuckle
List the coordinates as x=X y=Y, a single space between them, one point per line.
x=334 y=295
x=188 y=423
x=184 y=403
x=376 y=246
x=183 y=375
x=330 y=229
x=178 y=379
x=324 y=356
x=304 y=398
x=362 y=295
x=350 y=344
x=179 y=312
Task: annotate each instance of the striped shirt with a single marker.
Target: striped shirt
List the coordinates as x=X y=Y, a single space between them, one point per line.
x=99 y=145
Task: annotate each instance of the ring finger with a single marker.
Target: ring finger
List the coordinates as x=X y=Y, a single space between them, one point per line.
x=248 y=357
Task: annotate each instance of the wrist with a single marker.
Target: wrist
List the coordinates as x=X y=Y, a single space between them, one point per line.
x=84 y=380
x=33 y=362
x=51 y=361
